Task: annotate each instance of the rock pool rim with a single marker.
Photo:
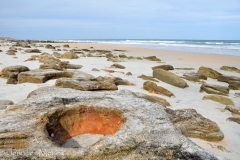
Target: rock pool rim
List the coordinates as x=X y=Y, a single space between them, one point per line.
x=64 y=124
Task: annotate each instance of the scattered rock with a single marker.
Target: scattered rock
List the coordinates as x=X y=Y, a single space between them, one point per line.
x=195 y=77
x=12 y=72
x=128 y=73
x=154 y=89
x=32 y=51
x=154 y=99
x=169 y=77
x=103 y=51
x=235 y=119
x=49 y=46
x=220 y=99
x=194 y=125
x=215 y=89
x=139 y=58
x=237 y=94
x=209 y=72
x=106 y=84
x=185 y=68
x=152 y=58
x=234 y=85
x=66 y=45
x=115 y=65
x=89 y=55
x=231 y=69
x=120 y=50
x=148 y=78
x=165 y=67
x=11 y=52
x=4 y=103
x=32 y=58
x=69 y=55
x=50 y=66
x=48 y=59
x=122 y=56
x=56 y=54
x=224 y=78
x=50 y=116
x=95 y=69
x=114 y=59
x=120 y=81
x=233 y=109
x=67 y=65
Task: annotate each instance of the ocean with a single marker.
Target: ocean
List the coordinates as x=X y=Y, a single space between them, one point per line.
x=229 y=47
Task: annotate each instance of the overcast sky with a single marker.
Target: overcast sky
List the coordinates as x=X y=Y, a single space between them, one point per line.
x=120 y=19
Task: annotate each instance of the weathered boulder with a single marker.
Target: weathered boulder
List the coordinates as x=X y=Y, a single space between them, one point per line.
x=133 y=127
x=48 y=59
x=153 y=88
x=42 y=75
x=114 y=59
x=214 y=89
x=32 y=51
x=116 y=65
x=129 y=73
x=165 y=67
x=233 y=109
x=50 y=66
x=169 y=77
x=231 y=69
x=67 y=65
x=195 y=77
x=32 y=58
x=234 y=85
x=69 y=55
x=95 y=69
x=66 y=46
x=224 y=78
x=56 y=54
x=194 y=125
x=148 y=78
x=11 y=52
x=235 y=119
x=122 y=56
x=9 y=71
x=220 y=99
x=154 y=99
x=86 y=85
x=152 y=58
x=209 y=72
x=49 y=46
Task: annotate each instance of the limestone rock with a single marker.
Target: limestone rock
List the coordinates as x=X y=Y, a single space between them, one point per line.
x=69 y=55
x=209 y=72
x=11 y=52
x=152 y=58
x=122 y=56
x=67 y=65
x=153 y=88
x=169 y=77
x=56 y=54
x=8 y=71
x=135 y=128
x=42 y=75
x=224 y=78
x=4 y=103
x=50 y=66
x=231 y=69
x=66 y=46
x=32 y=51
x=154 y=99
x=139 y=58
x=165 y=67
x=49 y=46
x=195 y=77
x=95 y=69
x=129 y=73
x=148 y=78
x=114 y=59
x=234 y=85
x=215 y=89
x=48 y=59
x=85 y=85
x=194 y=125
x=115 y=65
x=233 y=109
x=220 y=99
x=235 y=119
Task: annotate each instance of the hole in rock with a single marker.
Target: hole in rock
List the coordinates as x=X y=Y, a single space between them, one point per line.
x=67 y=128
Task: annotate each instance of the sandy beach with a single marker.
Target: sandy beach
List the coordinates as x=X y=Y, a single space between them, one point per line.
x=184 y=98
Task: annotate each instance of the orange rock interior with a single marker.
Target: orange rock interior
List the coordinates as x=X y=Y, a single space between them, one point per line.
x=63 y=126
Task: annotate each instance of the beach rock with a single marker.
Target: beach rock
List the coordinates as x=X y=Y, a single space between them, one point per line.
x=4 y=103
x=235 y=119
x=154 y=89
x=233 y=109
x=209 y=72
x=134 y=128
x=115 y=65
x=220 y=99
x=120 y=81
x=95 y=69
x=32 y=51
x=148 y=78
x=194 y=125
x=114 y=59
x=67 y=65
x=169 y=77
x=139 y=58
x=185 y=68
x=231 y=69
x=42 y=75
x=13 y=71
x=86 y=85
x=224 y=78
x=49 y=46
x=215 y=89
x=56 y=54
x=234 y=85
x=50 y=66
x=12 y=81
x=89 y=55
x=108 y=55
x=32 y=58
x=195 y=77
x=69 y=55
x=165 y=67
x=11 y=52
x=66 y=46
x=103 y=51
x=152 y=58
x=122 y=56
x=154 y=99
x=48 y=59
x=128 y=73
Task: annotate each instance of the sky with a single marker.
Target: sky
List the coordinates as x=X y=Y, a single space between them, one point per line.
x=120 y=19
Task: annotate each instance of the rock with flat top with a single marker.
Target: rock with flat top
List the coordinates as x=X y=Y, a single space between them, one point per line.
x=152 y=58
x=194 y=125
x=48 y=59
x=230 y=69
x=66 y=46
x=235 y=119
x=209 y=72
x=32 y=51
x=67 y=65
x=169 y=77
x=134 y=128
x=50 y=66
x=215 y=89
x=220 y=99
x=195 y=77
x=116 y=65
x=154 y=89
x=69 y=55
x=165 y=67
x=154 y=99
x=224 y=78
x=148 y=78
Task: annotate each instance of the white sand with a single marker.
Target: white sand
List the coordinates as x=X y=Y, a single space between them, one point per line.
x=185 y=98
